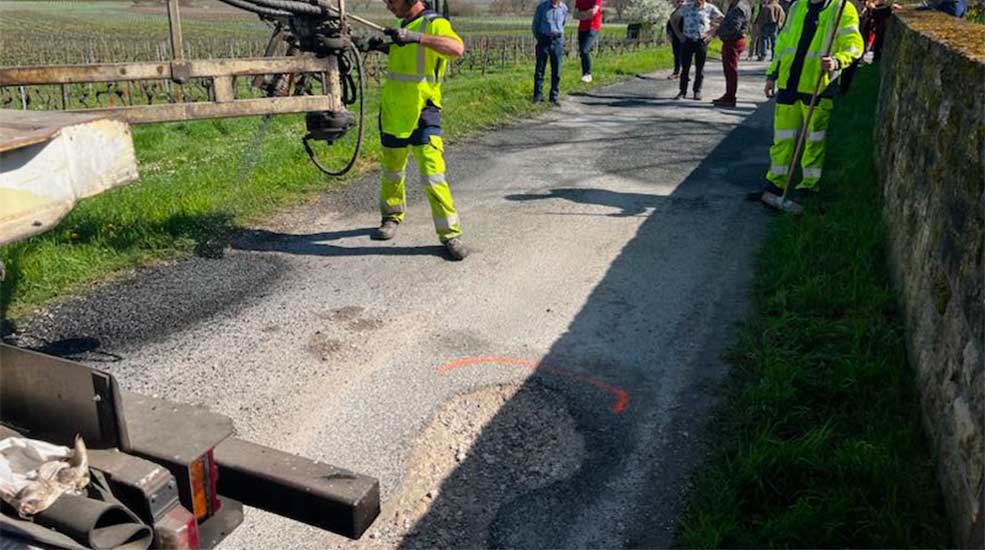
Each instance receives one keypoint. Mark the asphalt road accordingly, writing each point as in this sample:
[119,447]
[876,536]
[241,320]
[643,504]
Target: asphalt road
[613,256]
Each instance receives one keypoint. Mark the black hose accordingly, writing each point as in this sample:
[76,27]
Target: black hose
[347,87]
[259,10]
[295,8]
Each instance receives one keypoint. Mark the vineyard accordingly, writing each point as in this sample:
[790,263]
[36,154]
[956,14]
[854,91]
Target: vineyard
[58,33]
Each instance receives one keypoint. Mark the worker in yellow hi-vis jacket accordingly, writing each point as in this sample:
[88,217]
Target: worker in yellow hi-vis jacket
[792,76]
[410,119]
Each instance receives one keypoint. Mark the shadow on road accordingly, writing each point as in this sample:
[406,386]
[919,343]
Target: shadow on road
[314,244]
[628,204]
[645,330]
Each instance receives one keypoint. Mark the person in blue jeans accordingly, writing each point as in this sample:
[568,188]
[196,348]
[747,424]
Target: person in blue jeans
[957,8]
[548,29]
[770,20]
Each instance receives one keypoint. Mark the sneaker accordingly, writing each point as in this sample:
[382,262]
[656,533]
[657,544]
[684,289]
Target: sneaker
[697,96]
[680,95]
[555,101]
[723,102]
[386,231]
[586,78]
[538,98]
[456,250]
[674,76]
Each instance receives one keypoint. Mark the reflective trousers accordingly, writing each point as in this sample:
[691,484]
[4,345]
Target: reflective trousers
[393,197]
[787,122]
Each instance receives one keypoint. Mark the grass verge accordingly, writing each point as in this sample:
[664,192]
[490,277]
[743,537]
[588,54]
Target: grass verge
[202,179]
[822,444]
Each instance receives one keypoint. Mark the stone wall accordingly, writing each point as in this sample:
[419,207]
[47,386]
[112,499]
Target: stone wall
[930,137]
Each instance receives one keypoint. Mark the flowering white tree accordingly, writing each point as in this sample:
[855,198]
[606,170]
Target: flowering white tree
[652,12]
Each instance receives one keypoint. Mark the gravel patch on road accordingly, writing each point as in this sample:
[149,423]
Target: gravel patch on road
[532,443]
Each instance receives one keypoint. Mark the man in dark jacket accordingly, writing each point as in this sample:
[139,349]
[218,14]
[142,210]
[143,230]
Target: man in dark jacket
[732,31]
[548,29]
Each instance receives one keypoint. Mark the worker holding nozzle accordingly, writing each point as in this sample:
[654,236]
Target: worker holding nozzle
[819,39]
[410,118]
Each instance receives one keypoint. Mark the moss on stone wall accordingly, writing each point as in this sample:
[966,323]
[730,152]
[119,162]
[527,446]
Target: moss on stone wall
[930,138]
[960,36]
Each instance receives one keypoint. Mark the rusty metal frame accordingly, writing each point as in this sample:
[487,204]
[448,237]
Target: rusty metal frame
[222,73]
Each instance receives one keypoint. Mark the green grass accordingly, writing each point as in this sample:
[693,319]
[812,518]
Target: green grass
[203,179]
[821,434]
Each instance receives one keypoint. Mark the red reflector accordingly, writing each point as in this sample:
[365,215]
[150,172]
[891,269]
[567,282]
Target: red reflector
[176,530]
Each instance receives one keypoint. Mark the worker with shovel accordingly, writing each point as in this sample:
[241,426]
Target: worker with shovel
[819,39]
[410,119]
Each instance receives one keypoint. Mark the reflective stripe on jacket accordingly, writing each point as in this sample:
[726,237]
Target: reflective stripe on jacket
[413,77]
[847,46]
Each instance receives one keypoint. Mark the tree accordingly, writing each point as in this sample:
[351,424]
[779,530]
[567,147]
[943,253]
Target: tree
[618,5]
[500,7]
[653,12]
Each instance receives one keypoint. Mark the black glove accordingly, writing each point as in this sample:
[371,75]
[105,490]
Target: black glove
[403,36]
[372,44]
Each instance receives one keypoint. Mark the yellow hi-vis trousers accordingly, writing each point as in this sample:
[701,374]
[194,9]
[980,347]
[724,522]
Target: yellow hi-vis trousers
[393,197]
[787,122]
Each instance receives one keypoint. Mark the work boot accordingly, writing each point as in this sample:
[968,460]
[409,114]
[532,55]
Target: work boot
[386,231]
[456,249]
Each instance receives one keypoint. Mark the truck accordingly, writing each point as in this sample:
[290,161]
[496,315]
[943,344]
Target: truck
[178,468]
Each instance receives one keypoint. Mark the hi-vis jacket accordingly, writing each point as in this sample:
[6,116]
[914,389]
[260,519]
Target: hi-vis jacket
[847,47]
[414,77]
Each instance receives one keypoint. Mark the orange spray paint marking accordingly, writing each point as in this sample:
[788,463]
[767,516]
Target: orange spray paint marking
[622,398]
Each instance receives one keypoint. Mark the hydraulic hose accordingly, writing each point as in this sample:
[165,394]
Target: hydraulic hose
[281,8]
[294,8]
[259,10]
[347,87]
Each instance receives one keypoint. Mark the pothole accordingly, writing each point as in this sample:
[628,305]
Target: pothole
[481,451]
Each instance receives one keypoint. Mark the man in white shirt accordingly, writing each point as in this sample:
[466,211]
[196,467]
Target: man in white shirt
[698,23]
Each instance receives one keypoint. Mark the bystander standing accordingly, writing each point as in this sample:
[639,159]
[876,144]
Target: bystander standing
[676,37]
[732,31]
[770,20]
[957,8]
[589,16]
[755,29]
[548,29]
[879,14]
[697,19]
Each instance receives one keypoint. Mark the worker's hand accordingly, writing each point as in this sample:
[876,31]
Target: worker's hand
[770,89]
[829,64]
[372,44]
[403,36]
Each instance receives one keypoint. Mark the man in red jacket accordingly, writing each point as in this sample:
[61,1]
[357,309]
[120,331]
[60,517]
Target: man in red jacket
[589,16]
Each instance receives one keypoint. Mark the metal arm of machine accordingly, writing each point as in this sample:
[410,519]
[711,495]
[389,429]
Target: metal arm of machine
[315,77]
